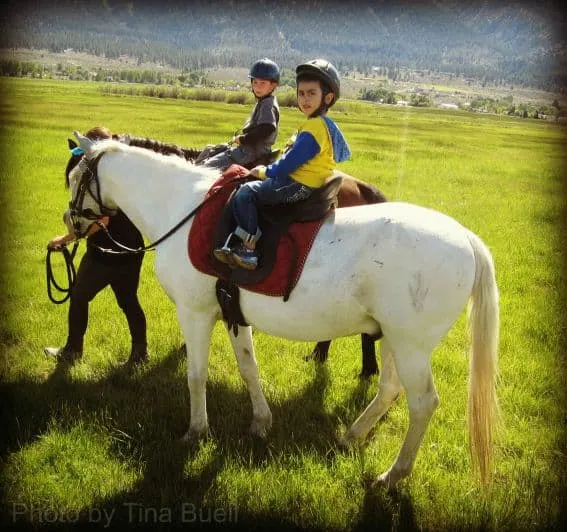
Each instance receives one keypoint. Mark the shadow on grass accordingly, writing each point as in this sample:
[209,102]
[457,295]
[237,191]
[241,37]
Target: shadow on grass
[385,509]
[148,410]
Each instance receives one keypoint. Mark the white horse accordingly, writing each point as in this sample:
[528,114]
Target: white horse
[397,268]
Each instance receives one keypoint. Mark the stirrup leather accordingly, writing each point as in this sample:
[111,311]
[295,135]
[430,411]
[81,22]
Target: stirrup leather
[247,237]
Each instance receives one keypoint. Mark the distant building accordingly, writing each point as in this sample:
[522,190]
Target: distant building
[449,106]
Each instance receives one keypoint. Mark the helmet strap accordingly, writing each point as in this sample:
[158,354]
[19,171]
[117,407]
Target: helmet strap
[321,110]
[324,106]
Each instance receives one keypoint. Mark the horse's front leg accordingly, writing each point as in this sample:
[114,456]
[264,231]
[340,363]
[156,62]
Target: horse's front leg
[197,329]
[244,351]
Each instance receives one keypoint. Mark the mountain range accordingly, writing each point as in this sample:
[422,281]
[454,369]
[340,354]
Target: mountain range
[520,43]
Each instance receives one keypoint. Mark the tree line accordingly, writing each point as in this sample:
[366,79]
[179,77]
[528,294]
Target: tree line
[195,85]
[518,47]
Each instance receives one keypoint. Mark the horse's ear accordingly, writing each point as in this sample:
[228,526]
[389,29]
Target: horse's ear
[72,143]
[84,142]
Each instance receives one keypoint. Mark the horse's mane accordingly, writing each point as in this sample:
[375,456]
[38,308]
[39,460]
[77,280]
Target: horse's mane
[157,146]
[152,150]
[189,154]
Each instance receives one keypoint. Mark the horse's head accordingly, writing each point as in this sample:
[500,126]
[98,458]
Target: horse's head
[85,207]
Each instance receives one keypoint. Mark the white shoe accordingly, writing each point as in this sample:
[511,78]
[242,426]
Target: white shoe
[64,353]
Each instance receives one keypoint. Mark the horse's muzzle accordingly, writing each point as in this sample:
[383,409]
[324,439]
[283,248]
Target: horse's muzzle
[67,220]
[76,224]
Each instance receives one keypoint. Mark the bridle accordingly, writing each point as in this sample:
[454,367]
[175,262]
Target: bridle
[75,212]
[90,178]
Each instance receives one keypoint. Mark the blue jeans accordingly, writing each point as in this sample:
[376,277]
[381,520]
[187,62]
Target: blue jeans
[241,155]
[270,191]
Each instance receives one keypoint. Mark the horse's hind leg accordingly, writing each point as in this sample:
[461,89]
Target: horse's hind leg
[369,364]
[414,371]
[244,351]
[389,390]
[320,352]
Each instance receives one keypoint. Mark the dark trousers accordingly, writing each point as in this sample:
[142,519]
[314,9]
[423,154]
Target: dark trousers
[271,191]
[92,277]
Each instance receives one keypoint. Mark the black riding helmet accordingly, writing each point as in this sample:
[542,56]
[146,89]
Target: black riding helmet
[265,69]
[324,71]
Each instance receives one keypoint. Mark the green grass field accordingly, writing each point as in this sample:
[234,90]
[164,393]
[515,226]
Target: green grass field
[94,443]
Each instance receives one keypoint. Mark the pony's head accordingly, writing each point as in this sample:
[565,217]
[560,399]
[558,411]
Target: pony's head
[150,158]
[95,133]
[86,207]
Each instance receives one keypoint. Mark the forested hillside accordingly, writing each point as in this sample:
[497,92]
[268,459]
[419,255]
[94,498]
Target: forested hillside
[503,42]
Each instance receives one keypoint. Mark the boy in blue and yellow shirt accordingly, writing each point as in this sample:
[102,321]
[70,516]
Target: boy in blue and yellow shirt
[310,161]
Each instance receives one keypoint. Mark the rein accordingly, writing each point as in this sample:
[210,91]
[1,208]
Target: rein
[151,247]
[70,270]
[104,210]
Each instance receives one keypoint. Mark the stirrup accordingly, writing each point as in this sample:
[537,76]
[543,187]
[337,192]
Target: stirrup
[225,254]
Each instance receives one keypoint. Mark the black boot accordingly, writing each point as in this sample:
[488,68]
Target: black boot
[138,354]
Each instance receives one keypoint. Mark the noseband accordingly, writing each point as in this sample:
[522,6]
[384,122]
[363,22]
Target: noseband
[88,181]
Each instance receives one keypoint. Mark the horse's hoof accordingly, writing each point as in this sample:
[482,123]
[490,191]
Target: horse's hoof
[194,435]
[260,429]
[388,480]
[346,441]
[383,481]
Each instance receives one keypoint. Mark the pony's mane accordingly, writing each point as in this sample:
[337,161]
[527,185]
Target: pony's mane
[112,145]
[157,146]
[189,154]
[106,145]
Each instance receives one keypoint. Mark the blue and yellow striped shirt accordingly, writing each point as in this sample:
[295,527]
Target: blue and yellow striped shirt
[317,149]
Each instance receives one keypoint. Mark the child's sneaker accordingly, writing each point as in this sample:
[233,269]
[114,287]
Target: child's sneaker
[245,257]
[65,353]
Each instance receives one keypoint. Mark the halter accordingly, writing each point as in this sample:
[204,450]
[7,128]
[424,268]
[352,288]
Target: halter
[76,210]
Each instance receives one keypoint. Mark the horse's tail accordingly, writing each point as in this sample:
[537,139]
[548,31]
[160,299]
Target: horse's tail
[483,315]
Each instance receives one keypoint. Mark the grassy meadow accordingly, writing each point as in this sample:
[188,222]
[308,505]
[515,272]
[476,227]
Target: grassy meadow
[94,443]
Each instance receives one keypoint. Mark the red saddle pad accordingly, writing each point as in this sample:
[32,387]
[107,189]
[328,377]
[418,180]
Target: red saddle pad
[202,234]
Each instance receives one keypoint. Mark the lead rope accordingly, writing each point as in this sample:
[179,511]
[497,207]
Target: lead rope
[70,270]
